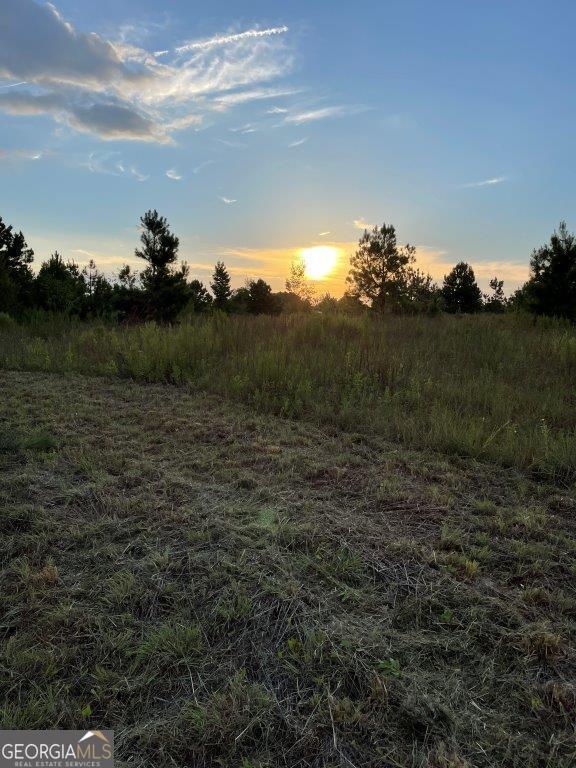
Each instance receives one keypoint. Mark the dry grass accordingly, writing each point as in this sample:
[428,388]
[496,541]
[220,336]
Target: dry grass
[498,388]
[228,588]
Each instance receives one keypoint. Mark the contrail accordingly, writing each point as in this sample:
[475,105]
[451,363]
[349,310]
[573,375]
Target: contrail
[13,85]
[225,39]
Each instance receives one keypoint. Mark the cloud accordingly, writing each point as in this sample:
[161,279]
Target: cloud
[277,111]
[321,114]
[228,200]
[173,174]
[485,183]
[117,90]
[203,165]
[233,99]
[227,39]
[361,223]
[23,154]
[110,120]
[111,164]
[231,144]
[13,85]
[323,234]
[299,142]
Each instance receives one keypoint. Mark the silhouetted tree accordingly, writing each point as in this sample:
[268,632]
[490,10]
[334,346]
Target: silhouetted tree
[60,286]
[290,303]
[98,292]
[379,269]
[496,301]
[261,300]
[299,285]
[460,290]
[128,300]
[551,289]
[200,300]
[239,301]
[220,287]
[166,289]
[16,276]
[421,294]
[350,304]
[327,305]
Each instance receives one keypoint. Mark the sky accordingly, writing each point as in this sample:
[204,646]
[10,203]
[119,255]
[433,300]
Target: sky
[260,129]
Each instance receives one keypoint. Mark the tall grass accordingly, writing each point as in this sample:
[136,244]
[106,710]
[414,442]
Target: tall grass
[496,388]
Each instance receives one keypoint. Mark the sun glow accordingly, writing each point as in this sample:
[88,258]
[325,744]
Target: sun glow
[319,261]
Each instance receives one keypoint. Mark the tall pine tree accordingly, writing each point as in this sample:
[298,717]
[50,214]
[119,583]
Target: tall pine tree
[165,288]
[220,287]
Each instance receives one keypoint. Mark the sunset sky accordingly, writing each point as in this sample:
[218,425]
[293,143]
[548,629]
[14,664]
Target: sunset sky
[260,129]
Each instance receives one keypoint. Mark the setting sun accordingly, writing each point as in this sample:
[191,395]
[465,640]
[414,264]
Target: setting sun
[319,261]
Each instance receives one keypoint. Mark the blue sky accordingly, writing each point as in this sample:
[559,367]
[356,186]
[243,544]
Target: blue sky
[259,129]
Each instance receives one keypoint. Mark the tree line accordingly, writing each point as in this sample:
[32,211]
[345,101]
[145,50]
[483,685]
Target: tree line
[382,278]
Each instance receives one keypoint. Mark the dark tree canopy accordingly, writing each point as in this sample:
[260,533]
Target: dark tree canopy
[460,290]
[166,289]
[261,300]
[221,289]
[551,289]
[379,270]
[16,277]
[60,286]
[495,301]
[200,300]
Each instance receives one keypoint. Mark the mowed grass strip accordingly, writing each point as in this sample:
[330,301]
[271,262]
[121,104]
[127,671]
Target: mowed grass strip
[497,388]
[227,588]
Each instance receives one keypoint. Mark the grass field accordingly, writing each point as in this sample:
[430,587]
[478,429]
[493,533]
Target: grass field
[225,587]
[497,388]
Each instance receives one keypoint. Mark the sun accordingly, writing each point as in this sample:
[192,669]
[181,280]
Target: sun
[319,261]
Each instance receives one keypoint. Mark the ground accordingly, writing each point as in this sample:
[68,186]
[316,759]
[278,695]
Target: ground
[222,587]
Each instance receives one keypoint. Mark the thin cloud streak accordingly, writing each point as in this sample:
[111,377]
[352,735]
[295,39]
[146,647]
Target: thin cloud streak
[173,174]
[485,183]
[228,200]
[322,114]
[13,85]
[227,39]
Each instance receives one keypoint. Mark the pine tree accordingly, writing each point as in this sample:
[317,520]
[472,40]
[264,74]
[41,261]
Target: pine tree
[220,287]
[496,301]
[551,289]
[165,289]
[460,290]
[200,299]
[379,270]
[16,276]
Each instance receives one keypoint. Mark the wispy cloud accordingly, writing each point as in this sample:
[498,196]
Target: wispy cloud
[118,90]
[323,234]
[486,183]
[322,113]
[299,142]
[111,164]
[231,144]
[203,165]
[173,174]
[23,154]
[13,85]
[277,111]
[228,200]
[361,223]
[218,40]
